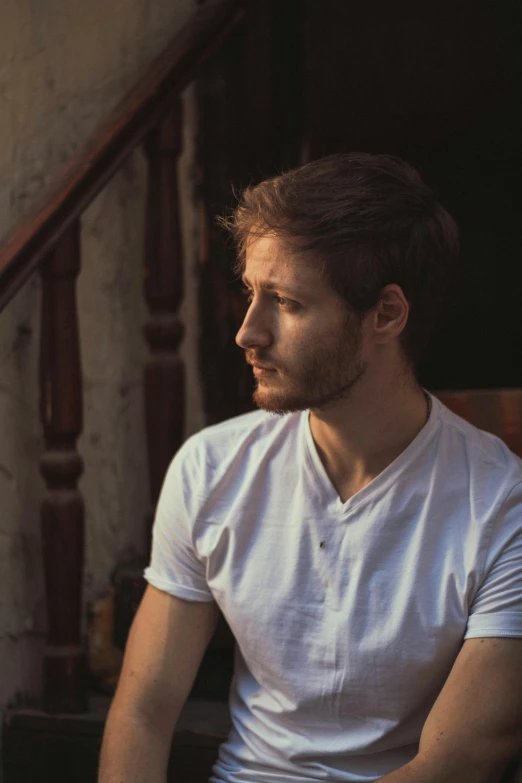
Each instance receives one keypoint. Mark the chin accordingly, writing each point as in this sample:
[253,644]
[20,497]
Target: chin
[277,403]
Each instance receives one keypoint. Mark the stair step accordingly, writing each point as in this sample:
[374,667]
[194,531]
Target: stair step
[43,748]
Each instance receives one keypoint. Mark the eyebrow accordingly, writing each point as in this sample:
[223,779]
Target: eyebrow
[269,286]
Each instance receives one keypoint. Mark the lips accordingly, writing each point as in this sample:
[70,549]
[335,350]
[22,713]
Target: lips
[260,366]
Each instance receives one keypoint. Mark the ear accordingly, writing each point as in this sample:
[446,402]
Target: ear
[390,314]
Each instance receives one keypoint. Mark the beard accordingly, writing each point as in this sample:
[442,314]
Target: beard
[319,377]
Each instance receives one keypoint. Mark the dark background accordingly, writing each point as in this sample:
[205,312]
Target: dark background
[437,84]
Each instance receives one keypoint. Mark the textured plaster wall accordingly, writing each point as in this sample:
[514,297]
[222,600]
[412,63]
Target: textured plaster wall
[63,65]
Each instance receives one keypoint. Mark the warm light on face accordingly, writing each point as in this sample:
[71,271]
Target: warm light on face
[298,328]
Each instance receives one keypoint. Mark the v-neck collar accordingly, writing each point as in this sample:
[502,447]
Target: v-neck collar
[385,477]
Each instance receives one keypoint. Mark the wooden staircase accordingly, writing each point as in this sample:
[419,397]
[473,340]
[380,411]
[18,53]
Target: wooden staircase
[58,738]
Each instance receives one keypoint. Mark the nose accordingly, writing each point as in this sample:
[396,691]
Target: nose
[252,331]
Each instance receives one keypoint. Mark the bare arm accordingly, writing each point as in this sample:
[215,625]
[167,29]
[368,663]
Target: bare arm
[165,647]
[474,728]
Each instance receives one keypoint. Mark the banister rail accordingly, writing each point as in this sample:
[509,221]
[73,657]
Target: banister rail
[49,239]
[75,187]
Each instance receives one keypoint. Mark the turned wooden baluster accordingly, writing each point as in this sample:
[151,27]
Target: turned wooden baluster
[62,512]
[164,373]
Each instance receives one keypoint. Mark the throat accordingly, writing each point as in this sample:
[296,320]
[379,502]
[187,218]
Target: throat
[349,479]
[369,450]
[346,489]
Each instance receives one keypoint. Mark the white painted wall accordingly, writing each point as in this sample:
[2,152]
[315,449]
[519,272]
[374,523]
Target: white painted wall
[63,65]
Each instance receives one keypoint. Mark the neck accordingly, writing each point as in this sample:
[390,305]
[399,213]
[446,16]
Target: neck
[359,437]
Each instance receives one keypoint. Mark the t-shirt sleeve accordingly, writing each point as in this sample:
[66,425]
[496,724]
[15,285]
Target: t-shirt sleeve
[497,607]
[174,565]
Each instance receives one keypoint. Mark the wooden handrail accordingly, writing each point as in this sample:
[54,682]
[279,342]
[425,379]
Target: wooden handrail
[75,187]
[49,240]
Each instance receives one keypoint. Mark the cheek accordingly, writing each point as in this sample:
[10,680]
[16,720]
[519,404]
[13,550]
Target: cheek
[307,334]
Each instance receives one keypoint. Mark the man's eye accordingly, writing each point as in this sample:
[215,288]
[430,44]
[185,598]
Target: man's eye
[281,300]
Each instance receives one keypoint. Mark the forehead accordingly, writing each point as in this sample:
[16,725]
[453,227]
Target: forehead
[268,263]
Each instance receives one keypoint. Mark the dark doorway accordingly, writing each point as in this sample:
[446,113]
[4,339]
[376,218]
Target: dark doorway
[437,84]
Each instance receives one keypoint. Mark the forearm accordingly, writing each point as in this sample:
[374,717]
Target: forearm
[412,772]
[132,751]
[419,770]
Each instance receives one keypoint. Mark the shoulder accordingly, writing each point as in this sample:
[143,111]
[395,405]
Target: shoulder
[469,453]
[480,445]
[240,434]
[236,446]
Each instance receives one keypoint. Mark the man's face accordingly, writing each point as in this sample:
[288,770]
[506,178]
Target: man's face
[302,328]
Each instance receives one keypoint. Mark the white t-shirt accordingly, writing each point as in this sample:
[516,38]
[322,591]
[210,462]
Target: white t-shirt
[347,617]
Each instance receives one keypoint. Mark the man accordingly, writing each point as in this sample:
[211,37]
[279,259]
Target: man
[363,542]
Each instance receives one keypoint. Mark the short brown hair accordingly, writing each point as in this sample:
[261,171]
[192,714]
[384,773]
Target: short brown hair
[366,221]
